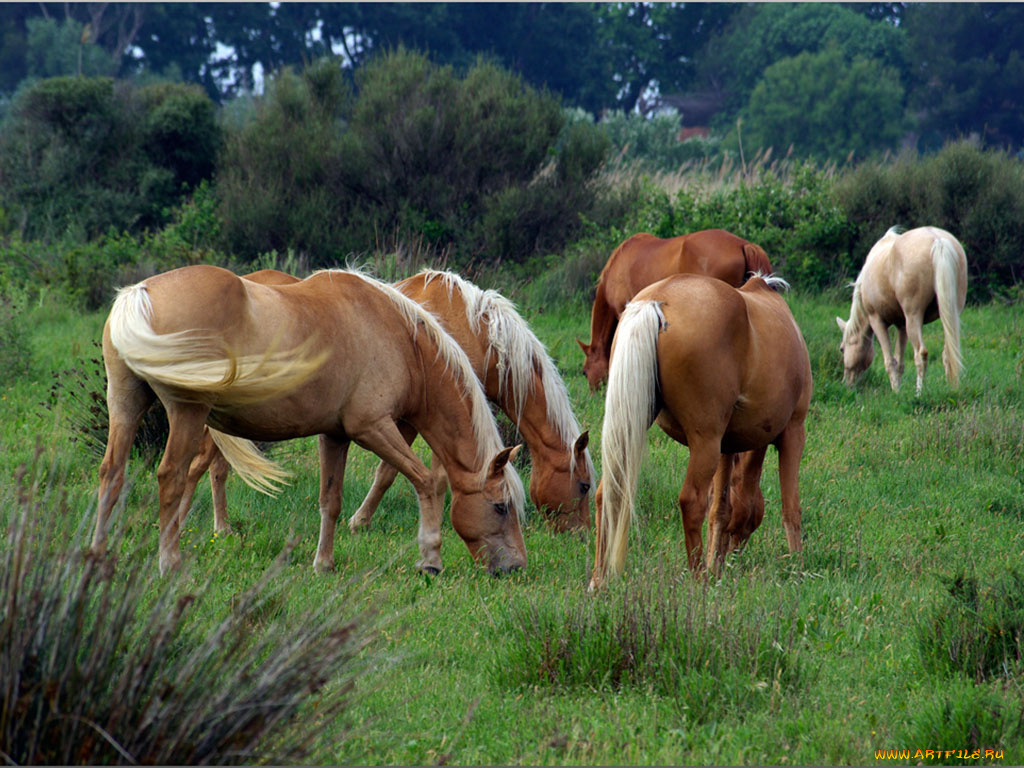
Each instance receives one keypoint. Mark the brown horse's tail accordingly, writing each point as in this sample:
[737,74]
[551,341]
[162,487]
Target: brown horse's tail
[253,467]
[756,260]
[629,411]
[946,264]
[199,365]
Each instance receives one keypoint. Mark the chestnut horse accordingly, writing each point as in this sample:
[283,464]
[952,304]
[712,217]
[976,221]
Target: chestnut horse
[242,356]
[644,259]
[724,371]
[517,374]
[908,280]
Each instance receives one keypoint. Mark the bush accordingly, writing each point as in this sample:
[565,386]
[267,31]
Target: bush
[476,164]
[977,195]
[81,155]
[101,663]
[651,144]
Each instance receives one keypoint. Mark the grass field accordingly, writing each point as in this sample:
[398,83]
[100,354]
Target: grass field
[901,628]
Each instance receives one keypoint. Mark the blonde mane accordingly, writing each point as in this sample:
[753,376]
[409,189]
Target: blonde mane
[485,431]
[518,353]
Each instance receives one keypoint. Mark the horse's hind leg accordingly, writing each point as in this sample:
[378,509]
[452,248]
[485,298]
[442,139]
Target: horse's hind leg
[186,433]
[333,456]
[893,366]
[128,398]
[218,490]
[383,478]
[916,335]
[790,445]
[719,515]
[200,464]
[704,458]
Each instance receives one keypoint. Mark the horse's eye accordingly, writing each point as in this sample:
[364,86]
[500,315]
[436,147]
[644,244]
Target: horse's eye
[584,488]
[502,509]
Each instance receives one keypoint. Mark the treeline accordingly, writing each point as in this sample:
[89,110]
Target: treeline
[103,181]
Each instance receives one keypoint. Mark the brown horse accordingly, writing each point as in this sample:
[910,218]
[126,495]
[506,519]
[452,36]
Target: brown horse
[908,280]
[517,374]
[240,355]
[644,259]
[723,371]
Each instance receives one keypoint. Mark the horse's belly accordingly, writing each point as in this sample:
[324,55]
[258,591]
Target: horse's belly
[264,423]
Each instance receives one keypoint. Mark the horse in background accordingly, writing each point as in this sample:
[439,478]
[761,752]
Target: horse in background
[517,374]
[644,259]
[724,371]
[338,355]
[520,378]
[908,280]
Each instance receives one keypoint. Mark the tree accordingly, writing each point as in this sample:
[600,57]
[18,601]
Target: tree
[825,106]
[967,63]
[762,34]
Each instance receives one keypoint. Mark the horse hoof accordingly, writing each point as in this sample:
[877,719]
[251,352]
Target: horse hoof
[429,570]
[323,566]
[355,524]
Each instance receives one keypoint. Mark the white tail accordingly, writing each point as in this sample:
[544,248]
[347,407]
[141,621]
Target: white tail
[945,262]
[252,466]
[197,363]
[629,410]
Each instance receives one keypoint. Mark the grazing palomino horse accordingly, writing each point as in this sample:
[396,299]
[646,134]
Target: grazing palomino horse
[642,260]
[908,280]
[723,371]
[517,374]
[217,349]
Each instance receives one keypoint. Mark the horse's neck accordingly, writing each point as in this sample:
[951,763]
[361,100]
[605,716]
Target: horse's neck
[446,421]
[602,322]
[529,412]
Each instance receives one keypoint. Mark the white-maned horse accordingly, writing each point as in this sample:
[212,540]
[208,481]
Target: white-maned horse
[908,280]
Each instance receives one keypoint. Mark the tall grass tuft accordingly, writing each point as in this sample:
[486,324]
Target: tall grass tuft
[670,638]
[978,630]
[102,662]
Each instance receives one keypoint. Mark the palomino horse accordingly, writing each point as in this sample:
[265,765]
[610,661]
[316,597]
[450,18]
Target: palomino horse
[240,355]
[908,280]
[517,374]
[723,371]
[645,259]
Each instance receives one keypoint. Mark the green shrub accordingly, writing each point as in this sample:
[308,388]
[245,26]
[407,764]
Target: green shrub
[977,195]
[79,155]
[15,353]
[651,144]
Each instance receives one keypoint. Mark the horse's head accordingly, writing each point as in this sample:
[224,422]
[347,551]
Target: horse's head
[560,488]
[488,518]
[857,349]
[595,367]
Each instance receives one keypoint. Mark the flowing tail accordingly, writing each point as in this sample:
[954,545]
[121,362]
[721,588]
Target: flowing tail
[197,363]
[945,261]
[629,410]
[252,466]
[756,259]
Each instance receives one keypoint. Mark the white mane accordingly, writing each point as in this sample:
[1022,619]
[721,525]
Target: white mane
[518,353]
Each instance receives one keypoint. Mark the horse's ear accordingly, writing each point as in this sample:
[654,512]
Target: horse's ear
[505,455]
[581,443]
[841,323]
[584,347]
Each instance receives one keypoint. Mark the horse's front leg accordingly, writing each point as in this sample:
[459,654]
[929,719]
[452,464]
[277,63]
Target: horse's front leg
[915,332]
[333,456]
[383,478]
[881,331]
[390,441]
[186,422]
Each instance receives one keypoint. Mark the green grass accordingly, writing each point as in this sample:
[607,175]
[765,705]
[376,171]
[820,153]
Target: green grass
[783,661]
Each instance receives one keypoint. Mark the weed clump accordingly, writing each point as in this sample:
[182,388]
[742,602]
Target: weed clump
[103,663]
